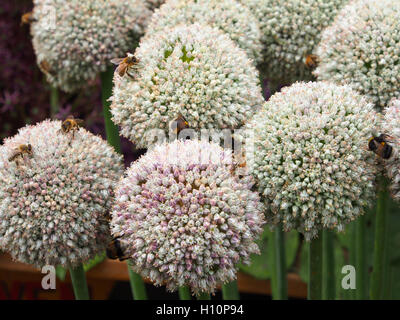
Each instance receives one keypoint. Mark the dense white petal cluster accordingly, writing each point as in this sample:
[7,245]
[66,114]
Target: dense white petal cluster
[291,29]
[184,218]
[362,49]
[54,203]
[391,127]
[310,156]
[196,71]
[74,40]
[228,15]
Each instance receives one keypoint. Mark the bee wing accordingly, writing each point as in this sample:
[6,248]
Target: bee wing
[80,122]
[116,61]
[391,138]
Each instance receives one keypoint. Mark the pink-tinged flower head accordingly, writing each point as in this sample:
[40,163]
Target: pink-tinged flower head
[184,218]
[55,200]
[291,30]
[362,49]
[310,158]
[229,16]
[75,40]
[193,70]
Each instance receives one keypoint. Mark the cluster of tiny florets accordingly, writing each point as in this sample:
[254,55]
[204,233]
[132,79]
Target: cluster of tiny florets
[310,156]
[391,127]
[184,218]
[196,71]
[74,40]
[228,15]
[291,29]
[362,49]
[54,202]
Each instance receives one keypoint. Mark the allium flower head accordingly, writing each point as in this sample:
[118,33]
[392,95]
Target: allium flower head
[184,218]
[196,71]
[291,29]
[362,48]
[228,15]
[54,202]
[391,127]
[74,40]
[310,158]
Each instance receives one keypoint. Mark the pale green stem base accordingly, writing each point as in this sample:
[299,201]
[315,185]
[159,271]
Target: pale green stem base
[379,268]
[203,296]
[328,265]
[137,285]
[106,92]
[361,259]
[54,101]
[230,291]
[79,283]
[184,293]
[278,263]
[315,269]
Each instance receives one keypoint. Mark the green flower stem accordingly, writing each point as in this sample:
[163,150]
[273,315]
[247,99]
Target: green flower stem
[278,265]
[54,101]
[137,285]
[380,269]
[361,260]
[203,296]
[271,263]
[106,92]
[79,283]
[315,269]
[351,294]
[230,291]
[184,293]
[328,265]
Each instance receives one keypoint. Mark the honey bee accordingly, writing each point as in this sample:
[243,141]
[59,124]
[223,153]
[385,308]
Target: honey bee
[179,124]
[380,146]
[20,151]
[71,124]
[238,167]
[311,61]
[27,18]
[114,250]
[124,64]
[45,66]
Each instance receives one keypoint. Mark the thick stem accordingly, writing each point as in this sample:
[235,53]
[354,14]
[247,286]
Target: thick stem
[315,269]
[279,265]
[203,296]
[137,285]
[184,293]
[328,265]
[106,92]
[380,269]
[230,291]
[361,260]
[79,283]
[54,101]
[351,293]
[272,263]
